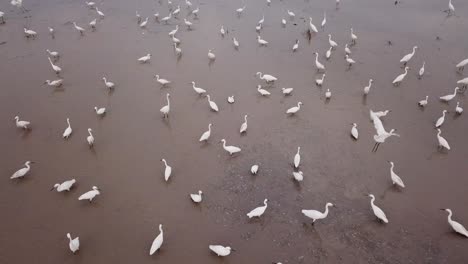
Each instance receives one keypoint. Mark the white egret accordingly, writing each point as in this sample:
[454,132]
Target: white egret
[90,195]
[261,41]
[349,61]
[93,23]
[144,23]
[211,55]
[262,20]
[166,18]
[254,169]
[64,186]
[78,28]
[23,171]
[268,2]
[283,22]
[174,31]
[449,97]
[90,138]
[157,242]
[295,46]
[230,99]
[457,227]
[221,251]
[421,71]
[318,65]
[258,27]
[291,14]
[332,42]
[175,40]
[367,88]
[90,4]
[324,21]
[230,149]
[188,24]
[382,136]
[441,119]
[195,12]
[68,130]
[53,54]
[198,90]
[145,58]
[188,4]
[319,82]
[297,158]
[240,10]
[101,14]
[328,53]
[353,37]
[395,178]
[161,81]
[463,82]
[408,57]
[213,105]
[354,131]
[327,94]
[294,109]
[312,26]
[100,111]
[56,68]
[2,17]
[138,16]
[30,33]
[235,42]
[206,135]
[22,123]
[176,11]
[316,215]
[167,170]
[109,85]
[298,176]
[196,197]
[73,244]
[458,109]
[222,31]
[461,65]
[379,213]
[243,127]
[423,102]
[347,50]
[442,141]
[261,91]
[287,91]
[165,109]
[451,9]
[267,77]
[257,212]
[400,77]
[177,50]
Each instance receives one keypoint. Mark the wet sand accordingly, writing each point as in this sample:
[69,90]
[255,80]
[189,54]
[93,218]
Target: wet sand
[119,226]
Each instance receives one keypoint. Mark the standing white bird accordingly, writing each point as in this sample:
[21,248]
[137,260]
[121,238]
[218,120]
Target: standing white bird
[100,111]
[457,227]
[166,18]
[254,169]
[449,97]
[395,178]
[64,186]
[318,65]
[441,119]
[261,41]
[165,109]
[328,94]
[230,149]
[297,158]
[157,242]
[188,24]
[90,195]
[461,65]
[230,99]
[328,53]
[211,55]
[421,71]
[161,81]
[23,171]
[2,17]
[213,105]
[400,77]
[90,138]
[222,31]
[240,10]
[295,46]
[319,82]
[332,42]
[56,68]
[176,12]
[175,40]
[353,37]
[408,57]
[188,4]
[93,23]
[312,26]
[174,31]
[283,22]
[30,33]
[78,28]
[167,170]
[243,127]
[257,212]
[101,14]
[235,42]
[144,23]
[367,88]
[349,61]
[316,215]
[294,109]
[379,213]
[206,135]
[354,131]
[324,21]
[73,244]
[347,50]
[287,91]
[22,123]
[109,85]
[267,77]
[451,9]
[145,58]
[196,197]
[68,130]
[458,109]
[442,141]
[423,102]
[90,4]
[291,14]
[53,54]
[262,20]
[221,251]
[298,176]
[198,90]
[263,92]
[177,50]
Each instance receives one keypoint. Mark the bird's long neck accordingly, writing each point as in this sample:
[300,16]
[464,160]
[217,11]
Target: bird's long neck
[372,201]
[165,163]
[443,114]
[105,80]
[89,131]
[298,105]
[450,216]
[326,210]
[168,101]
[68,122]
[224,143]
[370,83]
[316,57]
[455,92]
[245,119]
[209,128]
[27,166]
[414,50]
[391,167]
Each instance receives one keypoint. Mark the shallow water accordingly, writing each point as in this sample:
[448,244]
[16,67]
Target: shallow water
[120,224]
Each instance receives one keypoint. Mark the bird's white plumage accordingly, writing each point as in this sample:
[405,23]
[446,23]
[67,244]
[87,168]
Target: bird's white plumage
[379,213]
[167,170]
[316,215]
[395,178]
[442,141]
[297,158]
[441,119]
[64,186]
[73,244]
[354,131]
[257,212]
[213,105]
[206,135]
[298,176]
[243,127]
[254,169]
[196,197]
[90,195]
[22,172]
[157,242]
[457,227]
[68,131]
[294,109]
[230,149]
[219,250]
[449,97]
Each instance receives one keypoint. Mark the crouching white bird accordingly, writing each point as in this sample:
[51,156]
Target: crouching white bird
[262,91]
[206,135]
[64,186]
[90,138]
[211,55]
[145,58]
[196,197]
[221,251]
[379,213]
[23,171]
[230,149]
[157,242]
[287,91]
[90,195]
[297,158]
[254,169]
[423,102]
[316,215]
[457,227]
[161,81]
[68,131]
[294,109]
[73,244]
[21,123]
[458,109]
[266,77]
[230,99]
[30,33]
[198,90]
[395,178]
[257,212]
[442,141]
[54,83]
[167,170]
[354,131]
[100,111]
[319,82]
[298,176]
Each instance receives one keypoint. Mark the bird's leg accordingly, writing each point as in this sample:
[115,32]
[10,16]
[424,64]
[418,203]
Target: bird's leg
[378,144]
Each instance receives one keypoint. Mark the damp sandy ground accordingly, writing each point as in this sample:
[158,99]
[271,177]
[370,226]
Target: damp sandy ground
[119,226]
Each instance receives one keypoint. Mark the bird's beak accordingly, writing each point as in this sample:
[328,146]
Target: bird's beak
[442,209]
[52,188]
[32,161]
[233,249]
